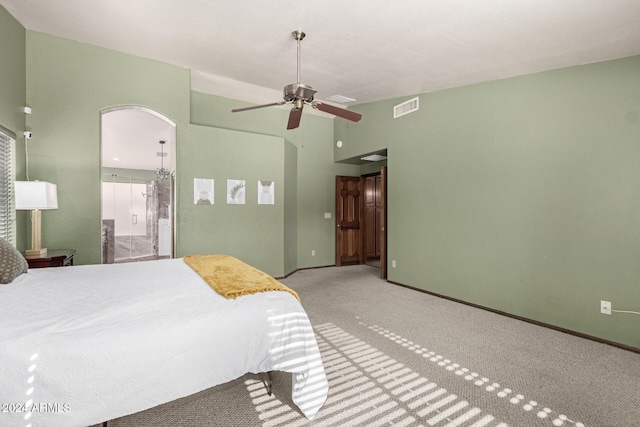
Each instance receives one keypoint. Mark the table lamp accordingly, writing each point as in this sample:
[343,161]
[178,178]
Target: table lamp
[36,196]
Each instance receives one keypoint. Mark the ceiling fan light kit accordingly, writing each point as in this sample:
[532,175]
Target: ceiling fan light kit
[300,94]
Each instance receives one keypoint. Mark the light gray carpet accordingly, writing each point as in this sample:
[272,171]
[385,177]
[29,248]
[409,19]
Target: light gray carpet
[395,356]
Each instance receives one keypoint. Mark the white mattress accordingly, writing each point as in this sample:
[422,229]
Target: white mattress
[92,343]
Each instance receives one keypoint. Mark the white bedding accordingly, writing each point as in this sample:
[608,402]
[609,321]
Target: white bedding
[87,344]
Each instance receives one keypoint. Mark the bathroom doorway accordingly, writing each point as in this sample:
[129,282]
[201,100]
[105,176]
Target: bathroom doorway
[137,182]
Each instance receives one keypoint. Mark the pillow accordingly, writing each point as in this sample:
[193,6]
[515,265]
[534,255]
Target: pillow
[12,263]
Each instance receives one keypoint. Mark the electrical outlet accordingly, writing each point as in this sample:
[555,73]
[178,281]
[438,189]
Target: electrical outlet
[605,307]
[393,263]
[313,252]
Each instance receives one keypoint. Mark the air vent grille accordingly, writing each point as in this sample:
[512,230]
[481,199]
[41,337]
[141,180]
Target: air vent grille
[341,99]
[406,107]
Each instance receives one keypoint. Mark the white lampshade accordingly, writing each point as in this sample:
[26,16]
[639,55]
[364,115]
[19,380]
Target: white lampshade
[32,195]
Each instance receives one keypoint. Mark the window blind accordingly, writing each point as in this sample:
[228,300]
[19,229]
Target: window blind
[7,202]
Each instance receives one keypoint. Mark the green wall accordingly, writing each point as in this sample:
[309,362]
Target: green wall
[521,195]
[312,145]
[12,70]
[254,233]
[290,208]
[13,98]
[69,83]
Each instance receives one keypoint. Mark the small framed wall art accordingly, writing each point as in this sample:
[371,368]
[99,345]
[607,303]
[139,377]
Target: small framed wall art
[235,192]
[203,191]
[266,192]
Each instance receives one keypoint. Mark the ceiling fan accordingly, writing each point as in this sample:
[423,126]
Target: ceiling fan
[299,94]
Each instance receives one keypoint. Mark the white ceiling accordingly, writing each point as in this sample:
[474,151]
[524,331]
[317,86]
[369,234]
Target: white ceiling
[364,49]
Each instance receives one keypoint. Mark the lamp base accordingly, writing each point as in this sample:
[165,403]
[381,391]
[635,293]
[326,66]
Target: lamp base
[35,253]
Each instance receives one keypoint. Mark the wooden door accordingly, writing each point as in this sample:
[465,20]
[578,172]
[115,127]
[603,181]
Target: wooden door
[383,222]
[371,218]
[349,218]
[375,222]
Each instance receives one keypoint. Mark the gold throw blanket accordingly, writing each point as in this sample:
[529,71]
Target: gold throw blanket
[231,277]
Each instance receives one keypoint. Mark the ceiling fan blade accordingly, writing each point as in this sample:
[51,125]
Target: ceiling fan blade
[294,118]
[237,110]
[337,111]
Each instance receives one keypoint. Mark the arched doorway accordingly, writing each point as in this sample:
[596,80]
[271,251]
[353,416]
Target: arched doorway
[138,184]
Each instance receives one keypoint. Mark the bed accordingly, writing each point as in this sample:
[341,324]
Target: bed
[86,344]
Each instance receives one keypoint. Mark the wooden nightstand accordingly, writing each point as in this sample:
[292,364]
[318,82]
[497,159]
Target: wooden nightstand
[53,258]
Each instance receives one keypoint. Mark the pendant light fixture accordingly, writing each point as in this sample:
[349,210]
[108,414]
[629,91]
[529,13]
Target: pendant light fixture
[162,173]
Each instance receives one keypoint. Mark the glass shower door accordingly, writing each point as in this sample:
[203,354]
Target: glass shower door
[129,202]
